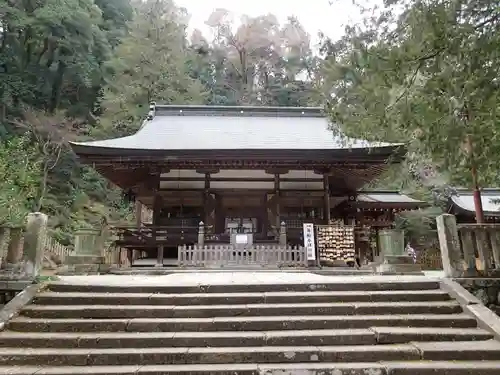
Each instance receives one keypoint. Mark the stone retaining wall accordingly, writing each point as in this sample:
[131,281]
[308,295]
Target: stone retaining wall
[487,290]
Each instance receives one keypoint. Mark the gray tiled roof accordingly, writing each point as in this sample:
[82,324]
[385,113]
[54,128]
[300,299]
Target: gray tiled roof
[490,199]
[230,128]
[386,197]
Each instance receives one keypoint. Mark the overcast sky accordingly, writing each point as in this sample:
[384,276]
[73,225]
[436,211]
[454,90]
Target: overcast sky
[315,15]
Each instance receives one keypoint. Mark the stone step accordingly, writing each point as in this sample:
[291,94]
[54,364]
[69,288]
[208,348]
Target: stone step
[401,335]
[464,351]
[259,323]
[222,355]
[390,368]
[73,298]
[191,339]
[243,338]
[205,311]
[450,351]
[369,284]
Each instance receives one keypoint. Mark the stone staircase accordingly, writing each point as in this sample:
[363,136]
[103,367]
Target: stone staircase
[344,328]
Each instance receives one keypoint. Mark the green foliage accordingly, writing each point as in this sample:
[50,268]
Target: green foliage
[79,69]
[21,173]
[150,64]
[426,76]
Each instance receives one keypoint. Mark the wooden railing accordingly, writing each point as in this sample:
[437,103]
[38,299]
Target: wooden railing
[53,247]
[468,249]
[154,235]
[227,256]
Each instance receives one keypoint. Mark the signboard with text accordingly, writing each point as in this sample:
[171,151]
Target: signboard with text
[309,243]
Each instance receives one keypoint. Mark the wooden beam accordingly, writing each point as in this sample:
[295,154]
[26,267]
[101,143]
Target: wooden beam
[326,187]
[213,190]
[277,171]
[239,179]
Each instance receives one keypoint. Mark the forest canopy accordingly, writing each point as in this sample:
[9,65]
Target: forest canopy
[87,69]
[423,72]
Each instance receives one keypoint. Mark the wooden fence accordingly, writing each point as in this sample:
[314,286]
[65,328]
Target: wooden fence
[227,256]
[468,249]
[56,249]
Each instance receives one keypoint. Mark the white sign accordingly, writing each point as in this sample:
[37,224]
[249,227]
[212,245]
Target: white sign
[241,239]
[309,243]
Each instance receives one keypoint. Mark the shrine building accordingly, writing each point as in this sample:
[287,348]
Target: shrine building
[258,170]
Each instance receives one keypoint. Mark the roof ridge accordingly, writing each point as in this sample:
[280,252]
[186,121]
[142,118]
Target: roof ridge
[241,111]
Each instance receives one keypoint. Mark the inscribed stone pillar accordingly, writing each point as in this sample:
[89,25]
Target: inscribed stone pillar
[449,243]
[87,256]
[282,239]
[14,247]
[4,238]
[201,234]
[159,257]
[87,242]
[34,238]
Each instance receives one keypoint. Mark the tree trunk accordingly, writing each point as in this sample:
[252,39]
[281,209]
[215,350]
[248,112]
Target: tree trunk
[56,87]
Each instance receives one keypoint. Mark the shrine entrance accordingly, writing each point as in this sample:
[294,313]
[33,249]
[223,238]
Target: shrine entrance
[240,225]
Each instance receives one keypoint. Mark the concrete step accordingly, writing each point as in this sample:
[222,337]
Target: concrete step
[395,368]
[206,311]
[450,351]
[242,323]
[369,284]
[243,338]
[73,298]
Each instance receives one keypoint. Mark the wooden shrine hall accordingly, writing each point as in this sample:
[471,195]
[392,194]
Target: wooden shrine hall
[208,172]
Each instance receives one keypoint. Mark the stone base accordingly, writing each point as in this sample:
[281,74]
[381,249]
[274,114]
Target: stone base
[84,265]
[18,271]
[85,259]
[395,264]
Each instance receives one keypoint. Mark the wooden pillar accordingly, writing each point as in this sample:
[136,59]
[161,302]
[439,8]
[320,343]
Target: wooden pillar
[219,215]
[206,191]
[138,213]
[209,207]
[277,195]
[326,192]
[265,220]
[157,207]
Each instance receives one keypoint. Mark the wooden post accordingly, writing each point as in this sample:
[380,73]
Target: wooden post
[34,238]
[283,234]
[449,243]
[201,234]
[326,208]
